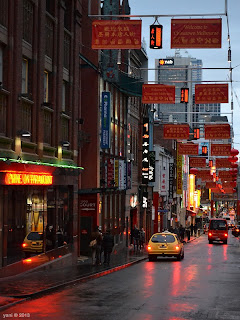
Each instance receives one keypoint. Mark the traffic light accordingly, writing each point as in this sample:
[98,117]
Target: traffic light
[204,151]
[156,36]
[184,95]
[196,133]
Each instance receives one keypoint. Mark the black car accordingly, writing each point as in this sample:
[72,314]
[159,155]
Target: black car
[236,230]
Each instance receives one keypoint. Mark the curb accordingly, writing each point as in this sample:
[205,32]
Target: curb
[86,278]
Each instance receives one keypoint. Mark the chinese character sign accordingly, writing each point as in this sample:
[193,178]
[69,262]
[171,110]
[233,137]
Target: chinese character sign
[163,181]
[223,163]
[211,93]
[196,33]
[188,148]
[152,156]
[221,150]
[158,93]
[197,162]
[217,131]
[176,131]
[116,34]
[145,151]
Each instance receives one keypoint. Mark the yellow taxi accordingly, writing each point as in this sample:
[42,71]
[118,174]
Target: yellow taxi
[33,242]
[165,244]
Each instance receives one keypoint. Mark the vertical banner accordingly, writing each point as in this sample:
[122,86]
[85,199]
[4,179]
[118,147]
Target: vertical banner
[121,174]
[129,174]
[110,173]
[105,128]
[116,171]
[163,181]
[179,173]
[145,151]
[171,178]
[152,156]
[145,199]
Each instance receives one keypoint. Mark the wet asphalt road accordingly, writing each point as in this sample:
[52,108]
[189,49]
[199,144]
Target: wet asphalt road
[203,286]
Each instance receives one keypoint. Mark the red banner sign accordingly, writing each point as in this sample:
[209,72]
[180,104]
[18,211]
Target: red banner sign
[216,190]
[223,163]
[158,93]
[217,131]
[116,34]
[210,185]
[196,33]
[197,162]
[188,148]
[205,175]
[224,174]
[221,150]
[176,131]
[211,93]
[229,184]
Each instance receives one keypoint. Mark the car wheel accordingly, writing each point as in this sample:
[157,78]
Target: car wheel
[225,241]
[179,257]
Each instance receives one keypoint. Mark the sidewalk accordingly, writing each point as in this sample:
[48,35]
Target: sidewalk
[34,283]
[37,282]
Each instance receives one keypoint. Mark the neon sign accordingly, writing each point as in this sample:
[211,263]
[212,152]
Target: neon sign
[23,178]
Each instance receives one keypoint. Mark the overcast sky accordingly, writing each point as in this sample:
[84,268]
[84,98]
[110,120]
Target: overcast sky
[217,58]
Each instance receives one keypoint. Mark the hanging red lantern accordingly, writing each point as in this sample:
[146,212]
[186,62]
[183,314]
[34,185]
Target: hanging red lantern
[233,159]
[234,152]
[193,171]
[233,171]
[234,165]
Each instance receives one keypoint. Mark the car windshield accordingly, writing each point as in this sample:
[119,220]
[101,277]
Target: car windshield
[35,236]
[161,238]
[218,225]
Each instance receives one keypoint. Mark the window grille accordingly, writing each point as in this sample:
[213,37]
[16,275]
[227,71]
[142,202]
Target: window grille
[49,27]
[47,127]
[27,21]
[26,116]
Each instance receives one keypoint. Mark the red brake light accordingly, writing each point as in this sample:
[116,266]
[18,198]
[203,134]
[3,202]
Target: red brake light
[237,230]
[226,234]
[210,234]
[177,247]
[149,248]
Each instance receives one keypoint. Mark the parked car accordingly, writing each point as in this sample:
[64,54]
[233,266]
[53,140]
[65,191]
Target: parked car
[236,230]
[33,243]
[165,244]
[218,230]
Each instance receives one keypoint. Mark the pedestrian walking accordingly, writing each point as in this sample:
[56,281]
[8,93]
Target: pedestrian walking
[195,229]
[107,245]
[96,244]
[60,238]
[191,228]
[181,233]
[135,236]
[141,238]
[188,232]
[49,237]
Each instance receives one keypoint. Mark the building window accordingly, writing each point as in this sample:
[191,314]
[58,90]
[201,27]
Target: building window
[24,76]
[49,37]
[65,129]
[65,96]
[67,15]
[3,114]
[50,6]
[48,127]
[66,53]
[26,116]
[4,13]
[45,85]
[27,21]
